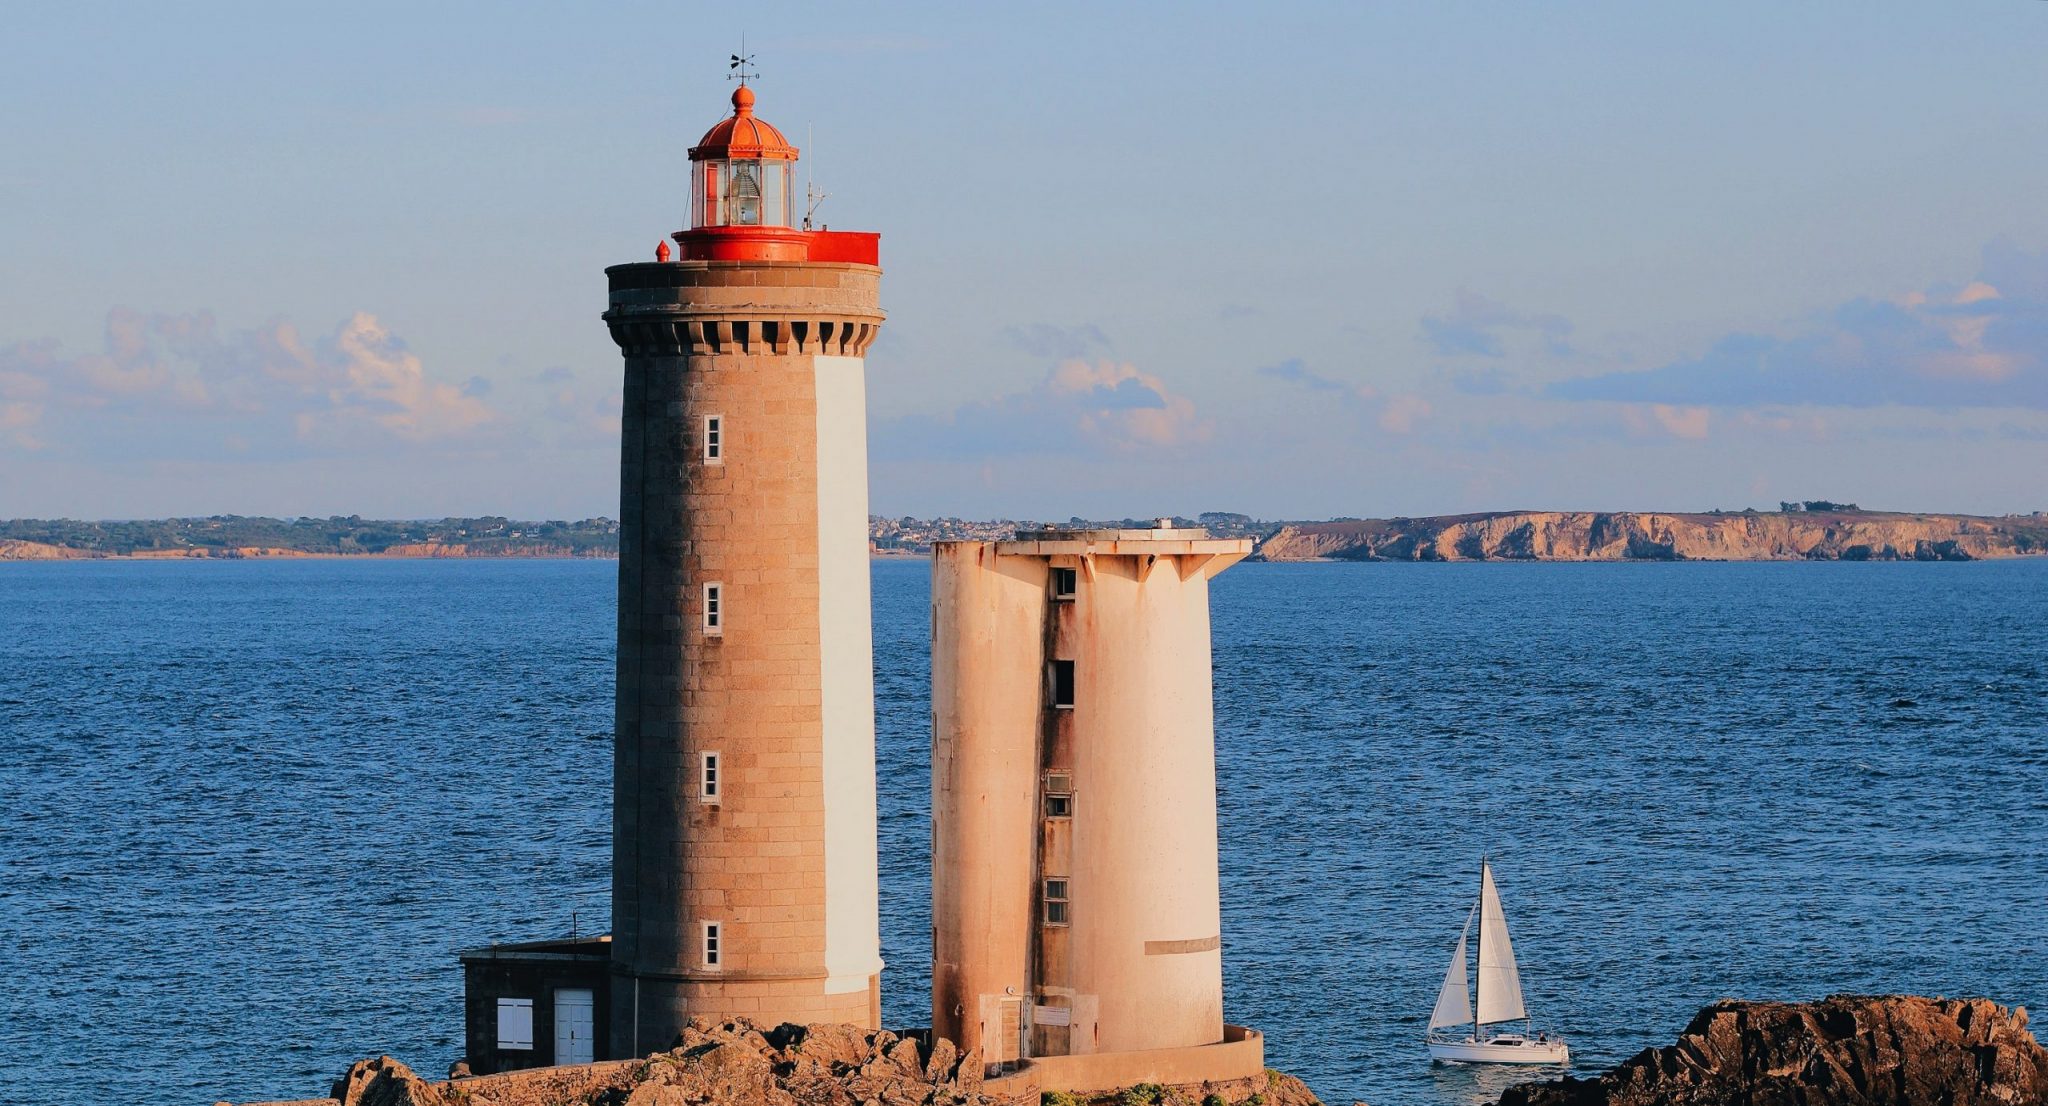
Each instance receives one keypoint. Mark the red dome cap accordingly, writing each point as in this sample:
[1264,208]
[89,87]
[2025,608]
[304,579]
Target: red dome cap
[743,135]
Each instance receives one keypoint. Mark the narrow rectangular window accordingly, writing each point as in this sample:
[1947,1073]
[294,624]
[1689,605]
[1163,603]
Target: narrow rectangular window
[1063,580]
[714,949]
[1063,683]
[1059,795]
[714,439]
[1056,902]
[714,608]
[707,777]
[515,1023]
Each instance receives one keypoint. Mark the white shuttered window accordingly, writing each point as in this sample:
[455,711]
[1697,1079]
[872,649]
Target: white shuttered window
[515,1023]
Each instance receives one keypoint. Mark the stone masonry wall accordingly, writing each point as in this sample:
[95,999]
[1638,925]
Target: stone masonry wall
[735,340]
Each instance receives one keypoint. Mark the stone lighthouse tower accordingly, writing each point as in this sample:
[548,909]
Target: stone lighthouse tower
[743,869]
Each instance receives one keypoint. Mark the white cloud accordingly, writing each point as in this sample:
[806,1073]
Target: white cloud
[382,382]
[356,390]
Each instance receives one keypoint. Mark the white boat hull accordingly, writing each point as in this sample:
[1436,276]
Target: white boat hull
[1505,1049]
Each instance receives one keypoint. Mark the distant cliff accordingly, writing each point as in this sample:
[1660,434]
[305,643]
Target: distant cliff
[1650,536]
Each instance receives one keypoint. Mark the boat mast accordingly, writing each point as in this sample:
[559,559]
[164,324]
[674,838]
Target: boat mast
[1479,953]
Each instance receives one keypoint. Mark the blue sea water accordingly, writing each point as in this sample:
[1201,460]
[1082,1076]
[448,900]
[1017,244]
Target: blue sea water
[248,810]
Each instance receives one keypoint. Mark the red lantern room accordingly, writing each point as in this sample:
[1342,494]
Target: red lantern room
[743,171]
[743,200]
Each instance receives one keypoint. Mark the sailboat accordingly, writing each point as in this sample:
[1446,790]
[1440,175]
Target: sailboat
[1500,997]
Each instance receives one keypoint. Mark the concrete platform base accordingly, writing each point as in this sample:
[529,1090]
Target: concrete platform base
[1241,1054]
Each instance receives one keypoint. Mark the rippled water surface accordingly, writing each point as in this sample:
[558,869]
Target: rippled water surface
[248,810]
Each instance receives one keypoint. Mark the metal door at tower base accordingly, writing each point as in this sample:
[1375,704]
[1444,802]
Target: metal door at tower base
[573,1026]
[1005,1032]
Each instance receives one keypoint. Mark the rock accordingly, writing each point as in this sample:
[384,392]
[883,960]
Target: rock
[459,1070]
[945,1058]
[739,1072]
[384,1082]
[1846,1050]
[836,1046]
[970,1073]
[903,1054]
[1285,1090]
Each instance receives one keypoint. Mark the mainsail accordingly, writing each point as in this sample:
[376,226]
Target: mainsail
[1454,1002]
[1500,983]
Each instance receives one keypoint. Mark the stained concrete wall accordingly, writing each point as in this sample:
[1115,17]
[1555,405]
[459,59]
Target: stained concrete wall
[1146,933]
[1138,967]
[988,623]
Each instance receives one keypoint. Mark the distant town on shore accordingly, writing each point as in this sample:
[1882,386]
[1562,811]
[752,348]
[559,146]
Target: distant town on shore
[1811,530]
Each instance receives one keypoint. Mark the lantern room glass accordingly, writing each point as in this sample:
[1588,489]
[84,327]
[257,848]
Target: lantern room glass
[741,192]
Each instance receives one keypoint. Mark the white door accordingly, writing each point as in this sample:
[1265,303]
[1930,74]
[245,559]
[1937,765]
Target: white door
[573,1027]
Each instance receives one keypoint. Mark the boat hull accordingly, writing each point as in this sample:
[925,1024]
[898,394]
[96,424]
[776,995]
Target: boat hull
[1500,1050]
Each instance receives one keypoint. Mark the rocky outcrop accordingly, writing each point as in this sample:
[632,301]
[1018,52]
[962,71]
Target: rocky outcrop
[14,550]
[385,1082]
[1640,536]
[1846,1050]
[738,1063]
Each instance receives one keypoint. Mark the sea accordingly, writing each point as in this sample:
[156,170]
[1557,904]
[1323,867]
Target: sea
[250,810]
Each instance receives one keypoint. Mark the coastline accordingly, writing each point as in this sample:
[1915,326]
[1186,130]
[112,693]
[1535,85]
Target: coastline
[1820,532]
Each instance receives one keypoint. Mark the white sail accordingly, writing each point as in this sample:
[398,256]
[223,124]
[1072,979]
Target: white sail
[1454,1002]
[1500,982]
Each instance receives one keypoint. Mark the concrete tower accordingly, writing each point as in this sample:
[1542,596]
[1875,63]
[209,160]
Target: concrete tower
[743,870]
[1075,912]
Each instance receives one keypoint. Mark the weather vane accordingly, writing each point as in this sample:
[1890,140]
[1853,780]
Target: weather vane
[741,63]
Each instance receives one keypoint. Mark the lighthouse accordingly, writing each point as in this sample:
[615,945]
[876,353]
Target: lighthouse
[743,824]
[1077,932]
[743,753]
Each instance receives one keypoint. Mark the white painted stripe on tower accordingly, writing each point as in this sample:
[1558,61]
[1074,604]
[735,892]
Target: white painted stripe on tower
[853,944]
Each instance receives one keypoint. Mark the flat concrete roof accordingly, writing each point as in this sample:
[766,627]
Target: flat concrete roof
[1152,543]
[555,948]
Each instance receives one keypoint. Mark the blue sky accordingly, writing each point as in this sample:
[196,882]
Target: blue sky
[1294,260]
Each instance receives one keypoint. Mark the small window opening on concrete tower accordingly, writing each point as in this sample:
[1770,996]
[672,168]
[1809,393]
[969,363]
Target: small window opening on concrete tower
[1063,684]
[1056,902]
[714,439]
[714,608]
[708,779]
[714,944]
[1063,580]
[1059,795]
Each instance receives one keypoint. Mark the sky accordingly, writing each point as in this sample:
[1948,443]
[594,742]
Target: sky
[1293,260]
